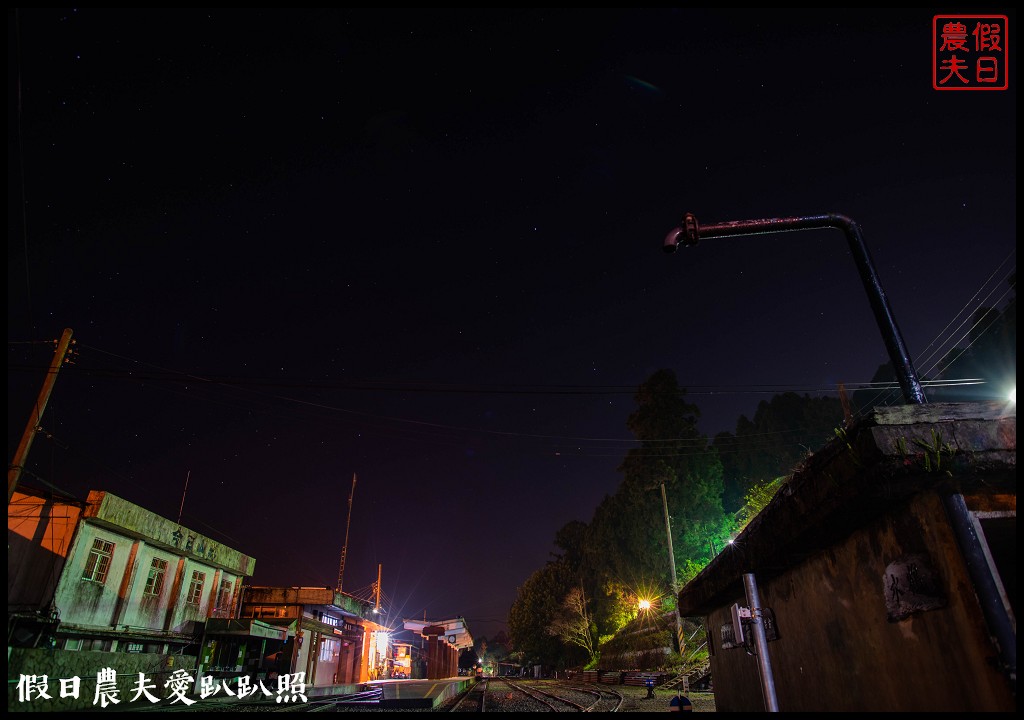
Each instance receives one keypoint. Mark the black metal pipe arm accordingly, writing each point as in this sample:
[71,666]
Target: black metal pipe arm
[690,232]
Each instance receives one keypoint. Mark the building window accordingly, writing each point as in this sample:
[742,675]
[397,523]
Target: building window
[98,565]
[73,644]
[195,589]
[155,581]
[271,611]
[328,649]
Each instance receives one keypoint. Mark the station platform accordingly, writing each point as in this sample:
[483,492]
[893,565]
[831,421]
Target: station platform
[419,694]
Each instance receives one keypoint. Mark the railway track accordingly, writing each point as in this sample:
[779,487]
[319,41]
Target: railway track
[505,695]
[486,695]
[605,699]
[334,703]
[473,700]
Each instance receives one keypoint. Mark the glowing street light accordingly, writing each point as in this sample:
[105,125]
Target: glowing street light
[689,232]
[644,604]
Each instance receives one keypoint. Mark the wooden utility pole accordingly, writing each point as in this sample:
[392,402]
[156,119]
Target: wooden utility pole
[672,565]
[344,548]
[18,463]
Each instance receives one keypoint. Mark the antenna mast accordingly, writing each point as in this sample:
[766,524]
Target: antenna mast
[344,548]
[182,508]
[376,592]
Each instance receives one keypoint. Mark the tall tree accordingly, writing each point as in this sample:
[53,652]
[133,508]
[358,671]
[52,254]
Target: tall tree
[538,601]
[574,624]
[571,539]
[783,432]
[628,529]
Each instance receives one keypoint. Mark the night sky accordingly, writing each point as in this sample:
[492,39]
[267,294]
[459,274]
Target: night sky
[425,247]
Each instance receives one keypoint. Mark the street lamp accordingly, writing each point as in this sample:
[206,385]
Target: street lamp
[690,231]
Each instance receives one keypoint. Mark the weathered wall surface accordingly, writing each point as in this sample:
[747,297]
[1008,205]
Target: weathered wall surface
[862,557]
[39,536]
[105,508]
[853,640]
[85,665]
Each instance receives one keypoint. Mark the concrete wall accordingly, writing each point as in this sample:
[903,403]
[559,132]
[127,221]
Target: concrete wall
[88,602]
[48,539]
[85,665]
[120,600]
[109,509]
[863,557]
[845,646]
[39,535]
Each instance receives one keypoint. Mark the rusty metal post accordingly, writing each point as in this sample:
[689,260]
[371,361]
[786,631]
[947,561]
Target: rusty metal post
[764,663]
[690,231]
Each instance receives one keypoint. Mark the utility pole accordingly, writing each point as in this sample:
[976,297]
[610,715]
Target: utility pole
[672,564]
[344,548]
[18,463]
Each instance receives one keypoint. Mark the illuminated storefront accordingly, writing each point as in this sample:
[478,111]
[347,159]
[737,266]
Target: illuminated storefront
[402,654]
[379,657]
